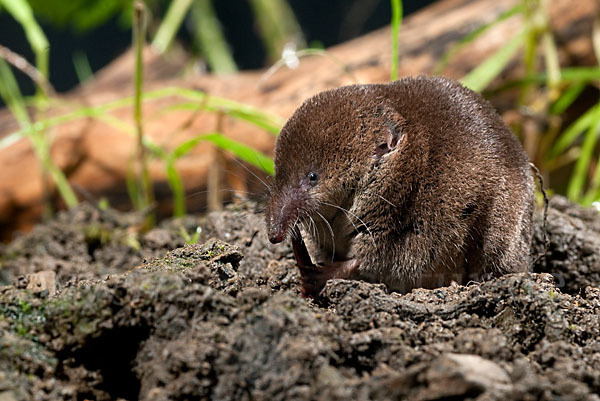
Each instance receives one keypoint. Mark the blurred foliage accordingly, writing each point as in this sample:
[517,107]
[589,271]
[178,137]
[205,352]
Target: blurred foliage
[546,90]
[545,93]
[208,36]
[278,26]
[11,94]
[22,12]
[143,197]
[170,25]
[87,14]
[82,15]
[274,18]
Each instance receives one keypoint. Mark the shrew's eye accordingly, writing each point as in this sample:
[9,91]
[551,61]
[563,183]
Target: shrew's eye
[313,177]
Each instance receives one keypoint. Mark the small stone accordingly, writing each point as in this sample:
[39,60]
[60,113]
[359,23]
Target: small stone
[21,282]
[456,375]
[7,396]
[68,391]
[42,281]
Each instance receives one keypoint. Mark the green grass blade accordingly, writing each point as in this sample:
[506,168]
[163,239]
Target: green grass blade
[277,26]
[579,175]
[117,123]
[552,64]
[237,111]
[132,187]
[240,150]
[573,131]
[245,153]
[396,22]
[209,37]
[474,35]
[62,184]
[170,25]
[249,114]
[81,63]
[10,92]
[568,75]
[139,41]
[176,184]
[592,198]
[22,12]
[11,139]
[593,193]
[21,64]
[272,123]
[185,147]
[579,74]
[269,121]
[567,98]
[91,14]
[480,77]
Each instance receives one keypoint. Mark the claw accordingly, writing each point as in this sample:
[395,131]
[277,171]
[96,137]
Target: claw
[300,251]
[314,277]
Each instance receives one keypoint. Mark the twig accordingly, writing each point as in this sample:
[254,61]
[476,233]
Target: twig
[21,64]
[546,203]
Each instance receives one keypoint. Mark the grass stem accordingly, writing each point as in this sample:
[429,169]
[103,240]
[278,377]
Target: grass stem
[278,26]
[145,182]
[170,25]
[209,37]
[396,22]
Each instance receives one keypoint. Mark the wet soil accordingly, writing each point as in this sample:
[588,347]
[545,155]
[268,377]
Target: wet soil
[93,309]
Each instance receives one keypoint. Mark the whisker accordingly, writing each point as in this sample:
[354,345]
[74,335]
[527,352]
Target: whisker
[313,226]
[238,175]
[294,233]
[386,200]
[332,235]
[234,191]
[315,229]
[251,172]
[348,214]
[304,225]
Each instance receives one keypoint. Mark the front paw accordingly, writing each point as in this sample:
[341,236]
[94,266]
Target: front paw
[300,252]
[313,278]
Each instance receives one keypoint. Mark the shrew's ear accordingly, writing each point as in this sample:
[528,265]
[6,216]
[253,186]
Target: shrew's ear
[391,122]
[393,134]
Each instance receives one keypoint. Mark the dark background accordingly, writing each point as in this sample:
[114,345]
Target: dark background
[323,22]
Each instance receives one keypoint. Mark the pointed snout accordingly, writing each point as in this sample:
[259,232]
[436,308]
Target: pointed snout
[276,227]
[286,207]
[277,237]
[280,215]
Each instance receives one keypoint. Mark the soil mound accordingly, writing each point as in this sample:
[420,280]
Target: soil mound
[92,309]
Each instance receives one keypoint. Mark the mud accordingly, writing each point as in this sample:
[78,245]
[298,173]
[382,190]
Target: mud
[93,309]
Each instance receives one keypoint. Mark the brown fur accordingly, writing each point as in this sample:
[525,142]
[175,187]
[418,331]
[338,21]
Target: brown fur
[434,186]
